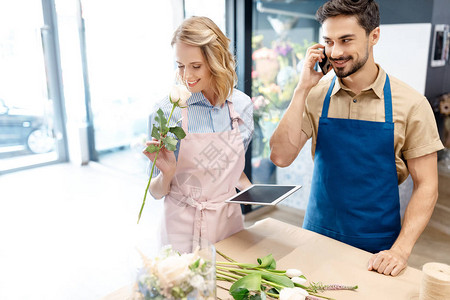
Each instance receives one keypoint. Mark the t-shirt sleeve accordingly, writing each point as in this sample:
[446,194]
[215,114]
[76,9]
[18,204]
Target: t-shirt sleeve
[421,135]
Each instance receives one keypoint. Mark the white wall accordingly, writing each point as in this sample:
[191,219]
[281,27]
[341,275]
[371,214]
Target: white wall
[403,52]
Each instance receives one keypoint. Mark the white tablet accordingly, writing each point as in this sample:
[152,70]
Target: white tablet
[263,194]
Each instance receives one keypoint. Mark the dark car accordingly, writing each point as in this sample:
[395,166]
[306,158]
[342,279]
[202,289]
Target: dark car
[19,127]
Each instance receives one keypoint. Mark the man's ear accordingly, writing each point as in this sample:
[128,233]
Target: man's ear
[374,36]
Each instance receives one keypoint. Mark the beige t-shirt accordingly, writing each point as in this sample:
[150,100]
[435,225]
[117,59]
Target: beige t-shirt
[415,129]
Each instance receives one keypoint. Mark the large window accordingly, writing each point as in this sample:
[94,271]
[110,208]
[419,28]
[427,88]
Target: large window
[29,131]
[129,68]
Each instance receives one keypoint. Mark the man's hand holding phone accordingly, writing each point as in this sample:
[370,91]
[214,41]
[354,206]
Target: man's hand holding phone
[325,64]
[309,77]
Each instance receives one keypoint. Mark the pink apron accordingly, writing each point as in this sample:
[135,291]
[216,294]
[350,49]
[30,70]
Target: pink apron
[208,169]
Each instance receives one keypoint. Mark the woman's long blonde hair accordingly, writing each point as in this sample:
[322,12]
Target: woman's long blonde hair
[204,33]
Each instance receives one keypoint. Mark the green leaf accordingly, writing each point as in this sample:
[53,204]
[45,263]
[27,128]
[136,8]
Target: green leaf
[278,279]
[240,294]
[162,122]
[255,297]
[152,148]
[170,143]
[155,132]
[178,131]
[178,293]
[251,282]
[195,265]
[267,262]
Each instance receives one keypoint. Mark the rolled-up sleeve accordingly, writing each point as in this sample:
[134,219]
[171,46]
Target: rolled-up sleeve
[421,134]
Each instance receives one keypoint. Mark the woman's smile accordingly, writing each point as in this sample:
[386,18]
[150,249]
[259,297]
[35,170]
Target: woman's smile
[191,84]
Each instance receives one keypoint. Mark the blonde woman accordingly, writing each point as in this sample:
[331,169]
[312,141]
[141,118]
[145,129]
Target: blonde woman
[208,164]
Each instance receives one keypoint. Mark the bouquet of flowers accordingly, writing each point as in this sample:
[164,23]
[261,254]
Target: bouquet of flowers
[172,275]
[263,280]
[160,132]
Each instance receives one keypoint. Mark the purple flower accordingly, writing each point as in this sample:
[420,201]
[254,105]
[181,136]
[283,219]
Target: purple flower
[283,49]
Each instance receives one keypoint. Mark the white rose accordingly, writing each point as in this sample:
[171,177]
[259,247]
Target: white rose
[299,280]
[198,282]
[295,293]
[179,94]
[173,270]
[293,273]
[174,94]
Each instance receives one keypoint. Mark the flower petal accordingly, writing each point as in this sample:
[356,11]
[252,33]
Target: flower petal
[293,273]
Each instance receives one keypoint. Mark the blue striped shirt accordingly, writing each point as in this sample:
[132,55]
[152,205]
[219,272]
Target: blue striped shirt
[204,117]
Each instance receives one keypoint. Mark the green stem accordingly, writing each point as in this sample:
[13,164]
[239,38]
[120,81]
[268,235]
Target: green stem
[248,267]
[320,296]
[273,295]
[236,271]
[228,263]
[273,284]
[247,270]
[170,116]
[224,279]
[153,166]
[225,256]
[228,274]
[148,184]
[302,286]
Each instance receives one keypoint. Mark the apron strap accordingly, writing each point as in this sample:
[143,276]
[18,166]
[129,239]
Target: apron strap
[184,121]
[326,102]
[387,100]
[234,116]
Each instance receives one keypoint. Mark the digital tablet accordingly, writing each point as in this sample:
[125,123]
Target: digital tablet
[263,194]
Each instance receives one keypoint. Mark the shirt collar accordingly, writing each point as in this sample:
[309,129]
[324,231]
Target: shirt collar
[377,86]
[200,98]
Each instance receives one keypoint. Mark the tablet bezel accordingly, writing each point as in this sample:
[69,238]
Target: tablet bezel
[273,203]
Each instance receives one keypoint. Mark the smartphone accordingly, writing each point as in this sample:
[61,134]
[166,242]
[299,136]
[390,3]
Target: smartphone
[325,64]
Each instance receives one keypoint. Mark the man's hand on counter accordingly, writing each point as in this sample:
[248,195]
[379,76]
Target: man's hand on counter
[388,262]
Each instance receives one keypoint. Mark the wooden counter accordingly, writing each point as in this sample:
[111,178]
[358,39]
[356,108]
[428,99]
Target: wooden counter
[320,258]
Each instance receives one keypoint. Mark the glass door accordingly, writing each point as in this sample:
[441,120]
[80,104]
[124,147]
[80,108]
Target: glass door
[281,33]
[28,132]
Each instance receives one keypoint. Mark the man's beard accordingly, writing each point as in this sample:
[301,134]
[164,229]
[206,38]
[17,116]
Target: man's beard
[356,66]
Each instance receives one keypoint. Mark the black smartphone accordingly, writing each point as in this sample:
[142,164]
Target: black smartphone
[325,64]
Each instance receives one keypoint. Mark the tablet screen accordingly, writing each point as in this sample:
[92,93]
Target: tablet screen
[264,194]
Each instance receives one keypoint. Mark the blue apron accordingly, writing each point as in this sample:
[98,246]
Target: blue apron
[354,194]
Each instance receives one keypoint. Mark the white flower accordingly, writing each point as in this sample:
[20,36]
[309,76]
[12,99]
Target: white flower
[299,280]
[293,273]
[198,282]
[295,293]
[173,270]
[179,95]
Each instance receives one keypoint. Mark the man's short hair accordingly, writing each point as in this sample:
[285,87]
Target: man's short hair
[365,11]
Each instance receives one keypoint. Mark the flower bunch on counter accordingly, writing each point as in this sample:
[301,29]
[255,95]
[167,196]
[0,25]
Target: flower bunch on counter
[178,96]
[176,276]
[263,280]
